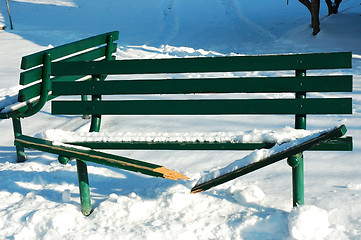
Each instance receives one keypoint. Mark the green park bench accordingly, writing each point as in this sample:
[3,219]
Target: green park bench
[59,79]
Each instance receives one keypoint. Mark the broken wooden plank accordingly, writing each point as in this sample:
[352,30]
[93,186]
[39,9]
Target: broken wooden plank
[276,154]
[85,154]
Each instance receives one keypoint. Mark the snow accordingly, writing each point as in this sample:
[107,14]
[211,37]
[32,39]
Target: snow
[308,222]
[278,136]
[39,199]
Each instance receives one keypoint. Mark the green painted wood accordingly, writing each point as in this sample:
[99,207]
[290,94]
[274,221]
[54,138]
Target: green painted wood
[205,107]
[338,132]
[222,85]
[33,90]
[34,74]
[89,155]
[212,64]
[66,49]
[338,144]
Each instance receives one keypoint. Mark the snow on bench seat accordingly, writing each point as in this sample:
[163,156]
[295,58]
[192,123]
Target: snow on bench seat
[9,99]
[278,136]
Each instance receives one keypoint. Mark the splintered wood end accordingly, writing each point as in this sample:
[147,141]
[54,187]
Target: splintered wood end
[197,190]
[170,174]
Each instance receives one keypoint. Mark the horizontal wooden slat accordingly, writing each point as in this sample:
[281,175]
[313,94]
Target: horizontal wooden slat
[223,85]
[202,64]
[35,74]
[66,49]
[339,144]
[206,107]
[34,90]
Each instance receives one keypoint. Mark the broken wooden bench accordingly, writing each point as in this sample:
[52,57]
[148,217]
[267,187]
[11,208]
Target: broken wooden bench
[299,105]
[98,86]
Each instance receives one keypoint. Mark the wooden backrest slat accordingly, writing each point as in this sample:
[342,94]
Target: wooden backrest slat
[36,59]
[35,74]
[213,85]
[205,107]
[32,91]
[201,64]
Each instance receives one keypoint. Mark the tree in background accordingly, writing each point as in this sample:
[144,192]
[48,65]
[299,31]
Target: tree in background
[314,7]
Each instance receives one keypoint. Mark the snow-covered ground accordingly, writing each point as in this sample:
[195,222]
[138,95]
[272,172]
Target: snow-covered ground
[39,199]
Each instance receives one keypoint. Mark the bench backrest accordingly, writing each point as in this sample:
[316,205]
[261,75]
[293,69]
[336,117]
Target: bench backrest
[299,84]
[37,66]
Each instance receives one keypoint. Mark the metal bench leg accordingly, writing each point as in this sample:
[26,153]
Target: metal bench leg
[296,162]
[84,187]
[17,131]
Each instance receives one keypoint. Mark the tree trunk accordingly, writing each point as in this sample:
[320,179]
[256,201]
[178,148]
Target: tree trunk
[314,7]
[333,7]
[315,12]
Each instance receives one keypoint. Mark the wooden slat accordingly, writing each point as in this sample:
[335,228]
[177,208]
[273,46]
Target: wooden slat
[338,144]
[201,64]
[98,157]
[205,107]
[294,149]
[66,49]
[35,74]
[32,91]
[223,85]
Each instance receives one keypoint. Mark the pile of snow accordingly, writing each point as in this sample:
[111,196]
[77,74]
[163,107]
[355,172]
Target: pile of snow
[308,223]
[248,194]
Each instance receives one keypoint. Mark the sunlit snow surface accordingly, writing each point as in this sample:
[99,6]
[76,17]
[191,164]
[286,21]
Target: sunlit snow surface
[39,199]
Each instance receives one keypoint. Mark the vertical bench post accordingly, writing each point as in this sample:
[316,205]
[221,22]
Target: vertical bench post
[82,170]
[83,181]
[17,131]
[96,119]
[296,161]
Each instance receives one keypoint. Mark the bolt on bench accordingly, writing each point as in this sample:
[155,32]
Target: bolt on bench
[98,86]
